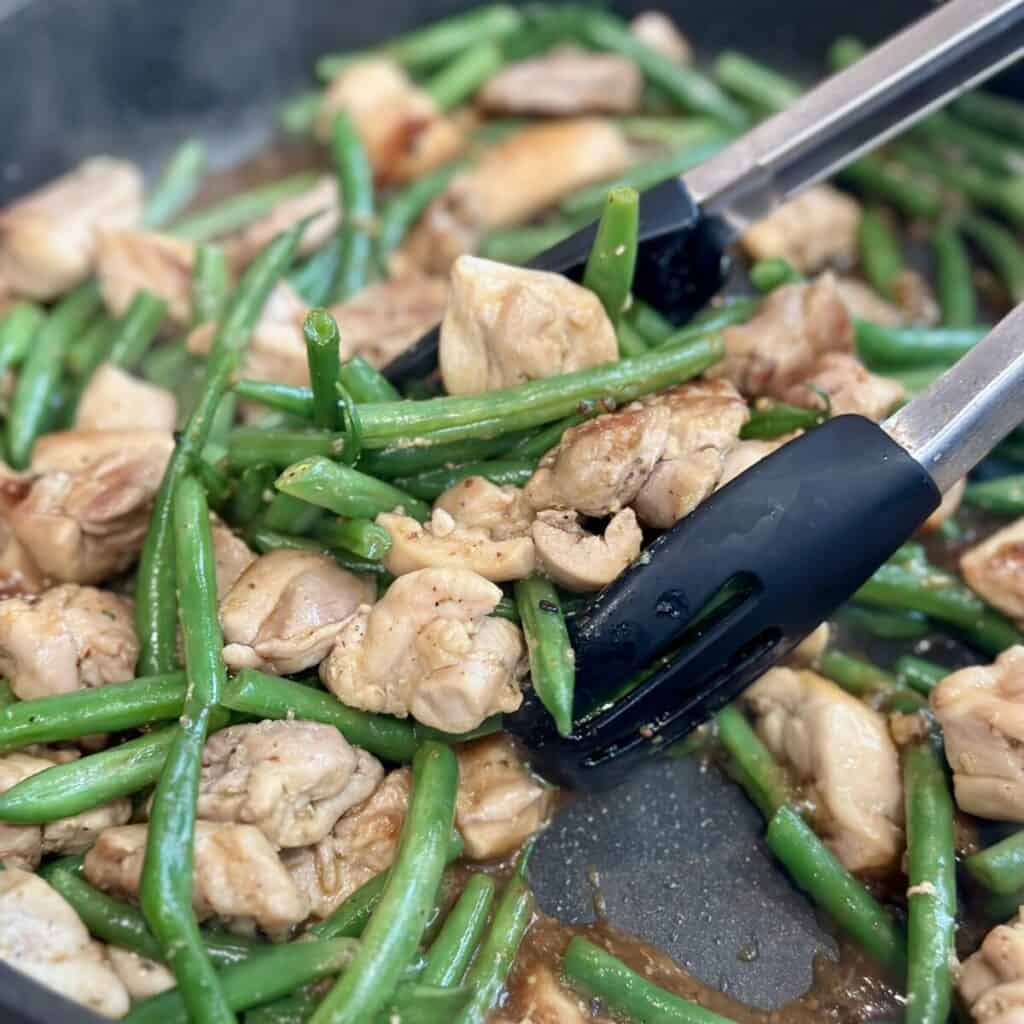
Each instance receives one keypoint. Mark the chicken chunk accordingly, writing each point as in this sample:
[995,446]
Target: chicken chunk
[658,32]
[231,556]
[69,638]
[292,780]
[849,387]
[141,976]
[429,649]
[948,508]
[477,503]
[842,749]
[362,845]
[662,455]
[402,129]
[237,875]
[981,711]
[48,238]
[499,803]
[19,574]
[115,400]
[582,561]
[864,303]
[811,648]
[563,82]
[991,980]
[513,181]
[43,937]
[383,320]
[83,514]
[780,346]
[320,202]
[130,260]
[285,610]
[546,1001]
[743,456]
[816,229]
[508,325]
[995,569]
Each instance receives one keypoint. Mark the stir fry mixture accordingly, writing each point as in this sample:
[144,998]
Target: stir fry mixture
[263,612]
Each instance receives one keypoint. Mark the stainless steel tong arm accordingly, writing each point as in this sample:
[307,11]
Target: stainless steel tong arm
[942,55]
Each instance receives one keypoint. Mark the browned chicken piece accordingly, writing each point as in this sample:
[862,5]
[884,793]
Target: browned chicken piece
[657,30]
[914,296]
[948,508]
[43,937]
[864,303]
[48,238]
[994,569]
[812,647]
[276,350]
[402,129]
[362,845]
[292,780]
[231,555]
[991,980]
[429,649]
[781,345]
[850,387]
[499,803]
[816,229]
[319,202]
[662,455]
[579,560]
[981,711]
[130,260]
[512,181]
[284,612]
[141,976]
[19,574]
[840,747]
[545,1001]
[508,325]
[83,512]
[475,502]
[237,875]
[69,638]
[116,400]
[563,82]
[384,319]
[743,455]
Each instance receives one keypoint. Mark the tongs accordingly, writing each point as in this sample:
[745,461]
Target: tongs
[734,586]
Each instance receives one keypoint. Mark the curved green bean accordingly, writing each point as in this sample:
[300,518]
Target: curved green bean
[450,953]
[552,660]
[896,347]
[178,183]
[612,260]
[999,867]
[355,182]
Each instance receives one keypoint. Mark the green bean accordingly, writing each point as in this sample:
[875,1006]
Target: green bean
[1000,867]
[427,47]
[552,660]
[286,514]
[520,245]
[362,537]
[998,114]
[881,255]
[434,482]
[924,588]
[767,275]
[346,491]
[770,419]
[846,50]
[41,370]
[270,974]
[854,675]
[211,282]
[931,896]
[612,260]
[178,183]
[166,885]
[90,348]
[683,85]
[249,497]
[451,952]
[670,131]
[898,347]
[648,322]
[1004,495]
[891,625]
[314,278]
[917,380]
[954,284]
[121,924]
[364,383]
[602,976]
[393,932]
[588,201]
[18,327]
[321,333]
[135,329]
[296,1008]
[757,771]
[538,443]
[696,332]
[950,137]
[509,409]
[167,364]
[297,114]
[1000,249]
[753,82]
[111,708]
[919,674]
[883,179]
[253,447]
[816,870]
[242,208]
[458,80]
[216,484]
[355,182]
[265,696]
[631,343]
[156,613]
[263,540]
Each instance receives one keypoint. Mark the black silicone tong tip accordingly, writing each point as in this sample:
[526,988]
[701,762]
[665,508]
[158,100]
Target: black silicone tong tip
[681,265]
[799,533]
